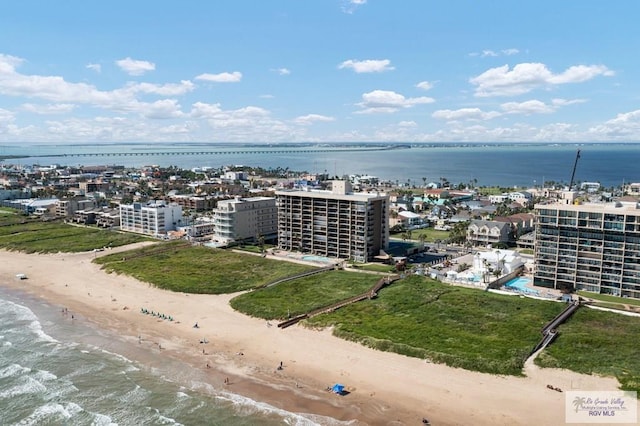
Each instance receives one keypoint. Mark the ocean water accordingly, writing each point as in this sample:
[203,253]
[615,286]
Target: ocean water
[488,164]
[58,371]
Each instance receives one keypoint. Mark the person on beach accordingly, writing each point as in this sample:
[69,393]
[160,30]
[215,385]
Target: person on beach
[195,325]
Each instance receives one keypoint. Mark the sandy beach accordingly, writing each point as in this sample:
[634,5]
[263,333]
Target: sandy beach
[385,388]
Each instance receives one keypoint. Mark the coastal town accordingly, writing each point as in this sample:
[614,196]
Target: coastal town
[358,219]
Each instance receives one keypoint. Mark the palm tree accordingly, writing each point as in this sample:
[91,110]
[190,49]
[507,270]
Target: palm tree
[422,238]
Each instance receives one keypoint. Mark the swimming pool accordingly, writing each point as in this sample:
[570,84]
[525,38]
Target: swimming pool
[312,258]
[520,284]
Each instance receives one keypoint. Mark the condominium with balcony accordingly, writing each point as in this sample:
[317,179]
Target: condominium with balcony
[153,218]
[245,219]
[336,223]
[591,247]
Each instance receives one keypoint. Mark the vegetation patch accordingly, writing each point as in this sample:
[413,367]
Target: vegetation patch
[30,236]
[457,326]
[598,342]
[292,298]
[179,267]
[607,298]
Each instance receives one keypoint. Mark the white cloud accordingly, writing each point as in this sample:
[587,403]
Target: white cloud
[6,116]
[135,67]
[424,85]
[95,67]
[312,118]
[580,73]
[385,101]
[267,96]
[349,6]
[464,114]
[224,77]
[48,109]
[169,89]
[8,63]
[528,107]
[282,71]
[368,65]
[407,124]
[488,53]
[564,102]
[162,109]
[525,77]
[624,126]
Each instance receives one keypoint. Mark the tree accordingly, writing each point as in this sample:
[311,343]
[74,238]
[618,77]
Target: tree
[458,234]
[422,238]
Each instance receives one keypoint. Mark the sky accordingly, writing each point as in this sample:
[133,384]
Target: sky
[78,71]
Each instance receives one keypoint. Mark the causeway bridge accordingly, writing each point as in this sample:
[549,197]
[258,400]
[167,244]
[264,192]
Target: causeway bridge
[257,151]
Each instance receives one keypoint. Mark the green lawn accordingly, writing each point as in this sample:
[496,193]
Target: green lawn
[431,235]
[303,295]
[607,298]
[374,267]
[199,269]
[597,342]
[460,327]
[53,237]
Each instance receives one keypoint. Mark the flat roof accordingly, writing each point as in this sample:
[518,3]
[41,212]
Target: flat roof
[357,196]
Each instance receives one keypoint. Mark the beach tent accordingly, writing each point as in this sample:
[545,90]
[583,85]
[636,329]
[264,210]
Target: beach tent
[337,388]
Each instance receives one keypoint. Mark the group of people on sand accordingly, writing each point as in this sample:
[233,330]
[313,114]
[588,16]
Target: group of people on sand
[554,388]
[156,314]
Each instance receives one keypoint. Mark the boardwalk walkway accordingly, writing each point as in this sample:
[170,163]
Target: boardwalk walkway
[369,294]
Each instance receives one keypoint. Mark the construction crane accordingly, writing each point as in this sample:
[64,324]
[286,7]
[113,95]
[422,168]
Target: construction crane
[573,173]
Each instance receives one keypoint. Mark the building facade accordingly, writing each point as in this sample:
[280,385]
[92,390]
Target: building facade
[336,223]
[154,218]
[591,247]
[245,219]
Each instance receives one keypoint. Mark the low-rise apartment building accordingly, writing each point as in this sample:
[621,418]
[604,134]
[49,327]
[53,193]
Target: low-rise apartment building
[245,219]
[154,218]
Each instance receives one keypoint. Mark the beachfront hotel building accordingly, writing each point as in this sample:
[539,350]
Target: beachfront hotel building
[245,219]
[336,223]
[591,247]
[153,218]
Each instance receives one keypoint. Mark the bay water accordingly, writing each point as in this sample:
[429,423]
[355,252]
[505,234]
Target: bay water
[523,165]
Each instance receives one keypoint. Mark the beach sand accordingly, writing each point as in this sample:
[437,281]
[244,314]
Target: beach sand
[385,388]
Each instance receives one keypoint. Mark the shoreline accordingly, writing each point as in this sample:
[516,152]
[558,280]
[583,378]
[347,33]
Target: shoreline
[385,388]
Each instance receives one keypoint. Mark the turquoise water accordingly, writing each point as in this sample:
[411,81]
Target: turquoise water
[313,258]
[520,284]
[58,371]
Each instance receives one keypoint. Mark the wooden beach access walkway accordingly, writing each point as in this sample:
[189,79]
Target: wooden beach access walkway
[369,294]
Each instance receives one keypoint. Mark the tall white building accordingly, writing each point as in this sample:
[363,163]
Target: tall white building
[245,219]
[153,218]
[336,223]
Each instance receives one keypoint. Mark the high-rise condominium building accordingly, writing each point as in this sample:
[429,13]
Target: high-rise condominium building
[592,247]
[336,223]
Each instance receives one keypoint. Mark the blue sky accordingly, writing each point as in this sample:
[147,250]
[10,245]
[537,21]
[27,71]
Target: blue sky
[319,71]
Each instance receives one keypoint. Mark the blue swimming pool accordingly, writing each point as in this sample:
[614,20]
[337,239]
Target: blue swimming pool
[312,258]
[520,284]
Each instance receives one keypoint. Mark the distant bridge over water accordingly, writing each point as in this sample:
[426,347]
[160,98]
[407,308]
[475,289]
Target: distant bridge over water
[147,153]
